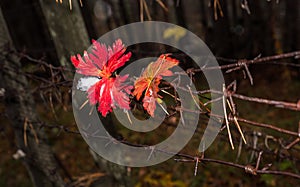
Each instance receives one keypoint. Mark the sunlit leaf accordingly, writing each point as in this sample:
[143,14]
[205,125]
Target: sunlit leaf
[103,88]
[151,77]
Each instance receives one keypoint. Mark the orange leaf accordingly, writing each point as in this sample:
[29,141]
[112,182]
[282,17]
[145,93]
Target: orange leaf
[150,79]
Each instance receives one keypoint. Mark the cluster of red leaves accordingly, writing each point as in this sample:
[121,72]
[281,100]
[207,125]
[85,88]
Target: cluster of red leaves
[111,91]
[102,62]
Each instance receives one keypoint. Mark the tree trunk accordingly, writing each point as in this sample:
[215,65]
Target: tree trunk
[66,28]
[70,36]
[20,108]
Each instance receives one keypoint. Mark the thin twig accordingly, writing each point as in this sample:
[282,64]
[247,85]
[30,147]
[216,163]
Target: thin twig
[25,131]
[226,118]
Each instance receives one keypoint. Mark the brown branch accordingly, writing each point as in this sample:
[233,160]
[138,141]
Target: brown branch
[241,62]
[279,104]
[191,158]
[56,71]
[254,123]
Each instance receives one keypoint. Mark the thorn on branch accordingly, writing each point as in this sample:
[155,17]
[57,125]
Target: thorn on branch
[249,74]
[226,118]
[25,131]
[258,160]
[194,99]
[250,169]
[266,167]
[163,6]
[111,139]
[152,148]
[196,166]
[217,6]
[244,5]
[239,150]
[289,146]
[197,160]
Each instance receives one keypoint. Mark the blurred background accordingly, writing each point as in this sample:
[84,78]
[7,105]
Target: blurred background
[40,144]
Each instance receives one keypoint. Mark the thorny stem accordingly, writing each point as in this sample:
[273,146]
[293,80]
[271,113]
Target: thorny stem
[55,71]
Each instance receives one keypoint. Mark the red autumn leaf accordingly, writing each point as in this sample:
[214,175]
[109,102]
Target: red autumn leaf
[150,79]
[109,93]
[149,103]
[120,92]
[102,62]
